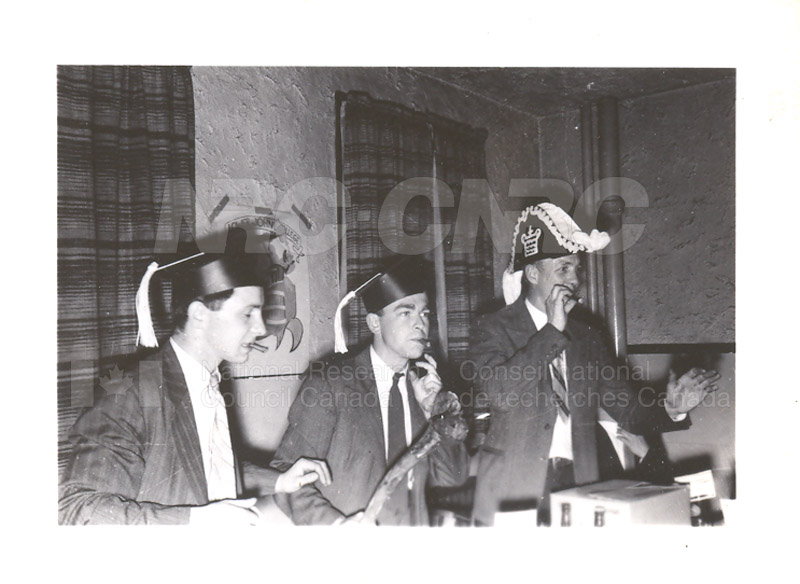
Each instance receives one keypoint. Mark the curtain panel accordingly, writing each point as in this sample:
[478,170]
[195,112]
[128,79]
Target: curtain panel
[383,145]
[125,173]
[468,273]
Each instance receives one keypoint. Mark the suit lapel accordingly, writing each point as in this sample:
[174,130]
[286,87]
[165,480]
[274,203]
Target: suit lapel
[519,324]
[372,419]
[183,424]
[418,422]
[584,419]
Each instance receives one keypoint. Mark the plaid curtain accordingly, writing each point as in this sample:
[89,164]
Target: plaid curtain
[383,145]
[468,273]
[125,146]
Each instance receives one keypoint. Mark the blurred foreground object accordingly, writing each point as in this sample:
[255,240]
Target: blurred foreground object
[447,424]
[621,503]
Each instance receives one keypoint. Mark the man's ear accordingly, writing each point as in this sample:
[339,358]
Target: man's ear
[196,311]
[531,274]
[374,323]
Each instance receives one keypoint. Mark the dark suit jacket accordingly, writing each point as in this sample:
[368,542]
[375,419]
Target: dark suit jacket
[136,456]
[336,417]
[511,367]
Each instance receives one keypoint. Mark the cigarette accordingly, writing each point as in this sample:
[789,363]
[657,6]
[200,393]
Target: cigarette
[258,347]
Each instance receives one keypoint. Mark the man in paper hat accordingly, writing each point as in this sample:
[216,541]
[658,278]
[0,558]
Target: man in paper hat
[539,369]
[159,451]
[361,413]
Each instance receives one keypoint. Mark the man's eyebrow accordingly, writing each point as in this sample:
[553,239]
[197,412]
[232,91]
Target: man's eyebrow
[404,306]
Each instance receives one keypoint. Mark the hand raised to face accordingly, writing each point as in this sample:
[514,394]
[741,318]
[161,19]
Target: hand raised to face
[425,388]
[559,304]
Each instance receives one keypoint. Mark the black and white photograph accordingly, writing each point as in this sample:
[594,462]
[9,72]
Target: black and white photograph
[420,296]
[329,284]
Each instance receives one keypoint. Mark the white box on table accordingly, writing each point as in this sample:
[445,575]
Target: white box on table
[623,503]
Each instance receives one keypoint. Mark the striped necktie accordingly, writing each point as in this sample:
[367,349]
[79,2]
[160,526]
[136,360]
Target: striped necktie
[557,372]
[221,477]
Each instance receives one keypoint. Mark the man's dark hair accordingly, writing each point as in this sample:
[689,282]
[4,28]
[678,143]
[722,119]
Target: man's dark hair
[180,313]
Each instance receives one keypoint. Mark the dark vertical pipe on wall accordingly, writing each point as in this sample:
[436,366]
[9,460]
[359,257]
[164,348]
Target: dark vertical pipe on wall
[340,193]
[610,219]
[601,300]
[587,156]
[438,258]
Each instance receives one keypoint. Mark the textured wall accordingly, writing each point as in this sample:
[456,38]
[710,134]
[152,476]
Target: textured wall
[275,126]
[679,145]
[680,274]
[261,130]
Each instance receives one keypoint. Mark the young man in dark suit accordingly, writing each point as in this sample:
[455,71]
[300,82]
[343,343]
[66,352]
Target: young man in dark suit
[160,452]
[360,413]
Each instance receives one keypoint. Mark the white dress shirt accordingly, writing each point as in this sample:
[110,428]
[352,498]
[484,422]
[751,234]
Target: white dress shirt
[197,381]
[561,446]
[383,379]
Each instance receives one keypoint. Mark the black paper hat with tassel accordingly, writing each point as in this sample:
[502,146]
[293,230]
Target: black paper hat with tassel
[402,277]
[201,274]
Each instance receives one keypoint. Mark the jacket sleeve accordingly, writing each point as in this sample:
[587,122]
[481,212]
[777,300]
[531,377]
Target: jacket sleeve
[312,420]
[655,467]
[102,480]
[258,481]
[504,374]
[638,412]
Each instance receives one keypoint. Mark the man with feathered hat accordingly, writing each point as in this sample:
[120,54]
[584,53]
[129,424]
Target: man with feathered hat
[540,371]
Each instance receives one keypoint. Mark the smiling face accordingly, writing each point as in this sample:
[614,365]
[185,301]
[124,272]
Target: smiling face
[400,332]
[229,330]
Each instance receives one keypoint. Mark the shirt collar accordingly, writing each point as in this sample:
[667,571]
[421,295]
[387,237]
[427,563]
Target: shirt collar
[383,373]
[539,317]
[196,375]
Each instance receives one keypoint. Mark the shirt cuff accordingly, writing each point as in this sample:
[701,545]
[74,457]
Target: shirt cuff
[677,417]
[260,479]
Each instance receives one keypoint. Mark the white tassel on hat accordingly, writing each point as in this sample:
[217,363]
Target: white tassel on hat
[339,342]
[512,285]
[146,335]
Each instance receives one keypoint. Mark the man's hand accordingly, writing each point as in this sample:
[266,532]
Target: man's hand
[558,305]
[636,443]
[686,393]
[426,388]
[225,512]
[303,472]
